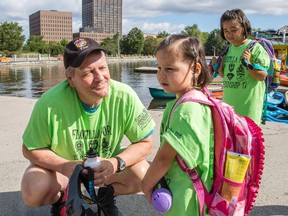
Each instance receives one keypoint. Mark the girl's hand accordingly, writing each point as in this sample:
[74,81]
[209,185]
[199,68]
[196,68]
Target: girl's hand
[247,55]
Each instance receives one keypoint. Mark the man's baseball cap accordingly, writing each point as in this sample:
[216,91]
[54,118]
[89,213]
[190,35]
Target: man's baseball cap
[78,49]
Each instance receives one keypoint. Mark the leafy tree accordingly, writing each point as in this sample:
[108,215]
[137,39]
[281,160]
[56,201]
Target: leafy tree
[150,44]
[55,48]
[163,34]
[111,44]
[204,37]
[36,43]
[192,30]
[214,44]
[133,43]
[195,31]
[64,42]
[11,37]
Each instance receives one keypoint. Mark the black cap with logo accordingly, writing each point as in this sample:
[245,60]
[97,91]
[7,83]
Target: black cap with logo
[78,49]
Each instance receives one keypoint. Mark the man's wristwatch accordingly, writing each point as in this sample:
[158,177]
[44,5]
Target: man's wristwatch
[121,165]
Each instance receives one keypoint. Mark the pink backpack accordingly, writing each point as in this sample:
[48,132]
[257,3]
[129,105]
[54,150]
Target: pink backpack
[233,133]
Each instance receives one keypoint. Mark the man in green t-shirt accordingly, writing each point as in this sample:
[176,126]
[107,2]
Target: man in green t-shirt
[87,110]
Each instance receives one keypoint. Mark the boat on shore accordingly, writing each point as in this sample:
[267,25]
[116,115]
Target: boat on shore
[284,79]
[276,114]
[275,98]
[158,93]
[146,70]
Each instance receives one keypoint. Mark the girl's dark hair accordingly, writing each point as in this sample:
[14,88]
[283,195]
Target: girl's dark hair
[239,15]
[191,50]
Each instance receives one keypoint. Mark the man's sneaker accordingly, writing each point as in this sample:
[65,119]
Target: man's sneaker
[107,202]
[57,206]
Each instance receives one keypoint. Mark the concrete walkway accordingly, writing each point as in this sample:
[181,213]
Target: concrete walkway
[15,112]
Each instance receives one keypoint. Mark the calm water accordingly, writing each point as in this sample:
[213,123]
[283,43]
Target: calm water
[33,81]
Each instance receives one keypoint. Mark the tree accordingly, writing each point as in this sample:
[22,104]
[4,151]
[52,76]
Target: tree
[36,43]
[150,44]
[133,43]
[111,44]
[214,44]
[11,38]
[55,48]
[195,31]
[64,42]
[163,34]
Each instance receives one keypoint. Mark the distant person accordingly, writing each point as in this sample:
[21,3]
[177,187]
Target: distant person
[87,110]
[182,67]
[244,88]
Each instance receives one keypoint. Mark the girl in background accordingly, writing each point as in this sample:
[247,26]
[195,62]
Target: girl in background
[181,67]
[244,88]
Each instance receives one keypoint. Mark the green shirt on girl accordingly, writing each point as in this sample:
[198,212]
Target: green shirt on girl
[190,133]
[241,90]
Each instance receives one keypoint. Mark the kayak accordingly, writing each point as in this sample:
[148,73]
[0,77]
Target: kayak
[283,80]
[215,89]
[277,114]
[275,98]
[158,93]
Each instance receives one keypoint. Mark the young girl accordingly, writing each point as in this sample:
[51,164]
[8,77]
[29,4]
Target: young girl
[244,88]
[189,132]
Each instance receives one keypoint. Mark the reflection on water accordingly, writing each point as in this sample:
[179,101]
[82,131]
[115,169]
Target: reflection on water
[32,81]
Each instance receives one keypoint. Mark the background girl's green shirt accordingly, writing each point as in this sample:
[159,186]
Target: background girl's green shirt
[241,90]
[190,133]
[60,123]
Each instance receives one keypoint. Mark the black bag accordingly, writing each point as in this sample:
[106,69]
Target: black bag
[78,204]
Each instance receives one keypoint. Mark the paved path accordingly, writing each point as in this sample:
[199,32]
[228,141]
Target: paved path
[15,112]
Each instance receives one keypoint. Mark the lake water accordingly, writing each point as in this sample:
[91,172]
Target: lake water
[32,81]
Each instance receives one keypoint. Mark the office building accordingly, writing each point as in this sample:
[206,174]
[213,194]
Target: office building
[52,25]
[102,16]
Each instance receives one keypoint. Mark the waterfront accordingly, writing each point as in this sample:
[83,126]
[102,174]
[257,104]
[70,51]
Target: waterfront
[31,81]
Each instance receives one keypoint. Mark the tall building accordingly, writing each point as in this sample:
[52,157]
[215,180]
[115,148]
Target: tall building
[102,16]
[52,25]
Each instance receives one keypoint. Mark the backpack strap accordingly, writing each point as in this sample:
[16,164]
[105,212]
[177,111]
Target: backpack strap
[90,184]
[269,49]
[194,95]
[251,44]
[199,187]
[252,66]
[216,66]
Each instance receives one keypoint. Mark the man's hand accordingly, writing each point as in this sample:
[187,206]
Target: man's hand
[104,171]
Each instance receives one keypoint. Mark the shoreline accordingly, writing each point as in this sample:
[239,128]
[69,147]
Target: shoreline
[55,61]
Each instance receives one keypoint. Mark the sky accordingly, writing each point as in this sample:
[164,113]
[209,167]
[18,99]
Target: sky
[154,16]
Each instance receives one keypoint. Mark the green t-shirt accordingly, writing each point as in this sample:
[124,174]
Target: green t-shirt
[191,134]
[241,90]
[60,123]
